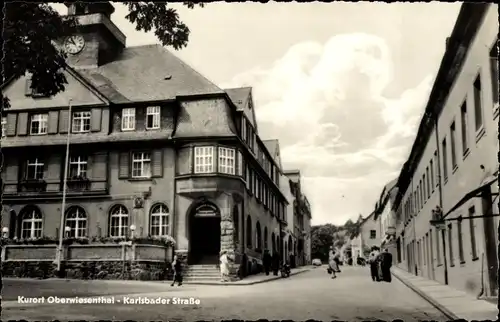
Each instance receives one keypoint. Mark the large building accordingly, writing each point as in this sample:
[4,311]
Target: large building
[453,165]
[155,150]
[299,217]
[367,237]
[386,217]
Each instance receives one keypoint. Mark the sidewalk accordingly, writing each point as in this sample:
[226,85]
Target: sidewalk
[453,303]
[253,279]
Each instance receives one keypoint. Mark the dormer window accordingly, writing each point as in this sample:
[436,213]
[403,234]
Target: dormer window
[81,122]
[38,124]
[153,118]
[128,119]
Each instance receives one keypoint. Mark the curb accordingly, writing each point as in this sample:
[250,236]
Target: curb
[243,283]
[450,315]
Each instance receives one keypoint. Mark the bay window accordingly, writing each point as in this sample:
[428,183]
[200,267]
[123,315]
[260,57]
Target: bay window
[227,162]
[203,159]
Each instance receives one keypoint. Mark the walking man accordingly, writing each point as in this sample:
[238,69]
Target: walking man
[266,261]
[177,267]
[372,259]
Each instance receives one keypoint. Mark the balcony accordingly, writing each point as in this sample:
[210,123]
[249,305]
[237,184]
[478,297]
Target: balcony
[32,185]
[77,184]
[196,186]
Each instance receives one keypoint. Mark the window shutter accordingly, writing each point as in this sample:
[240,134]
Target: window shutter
[53,122]
[157,163]
[63,121]
[11,124]
[22,124]
[95,120]
[97,162]
[239,170]
[124,164]
[28,91]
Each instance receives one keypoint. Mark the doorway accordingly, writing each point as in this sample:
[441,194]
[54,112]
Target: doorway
[204,236]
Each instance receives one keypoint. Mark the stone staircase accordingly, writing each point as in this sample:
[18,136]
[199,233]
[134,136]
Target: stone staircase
[202,273]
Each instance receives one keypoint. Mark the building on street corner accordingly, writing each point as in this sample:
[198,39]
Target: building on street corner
[446,221]
[367,237]
[157,153]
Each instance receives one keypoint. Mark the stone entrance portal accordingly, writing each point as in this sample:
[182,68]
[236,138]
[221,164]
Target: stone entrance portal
[205,235]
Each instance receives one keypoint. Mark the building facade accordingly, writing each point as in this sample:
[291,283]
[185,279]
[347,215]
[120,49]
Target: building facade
[453,166]
[155,149]
[368,236]
[385,212]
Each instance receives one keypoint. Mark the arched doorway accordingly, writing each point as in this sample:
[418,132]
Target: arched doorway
[204,234]
[273,241]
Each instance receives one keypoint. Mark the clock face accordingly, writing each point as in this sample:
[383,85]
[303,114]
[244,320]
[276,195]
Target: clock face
[74,44]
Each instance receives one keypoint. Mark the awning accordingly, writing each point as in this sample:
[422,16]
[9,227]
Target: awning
[474,193]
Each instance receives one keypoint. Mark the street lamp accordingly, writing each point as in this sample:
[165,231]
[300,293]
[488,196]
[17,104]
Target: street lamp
[439,223]
[5,232]
[65,181]
[67,230]
[132,230]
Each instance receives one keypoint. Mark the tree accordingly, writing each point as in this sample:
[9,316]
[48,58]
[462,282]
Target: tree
[321,240]
[30,30]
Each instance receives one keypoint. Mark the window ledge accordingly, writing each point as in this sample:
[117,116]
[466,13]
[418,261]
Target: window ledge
[38,134]
[495,111]
[462,263]
[475,258]
[139,179]
[452,265]
[445,180]
[127,130]
[466,153]
[455,168]
[153,129]
[480,133]
[439,265]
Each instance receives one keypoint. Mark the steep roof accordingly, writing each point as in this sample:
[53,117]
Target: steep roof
[242,98]
[147,73]
[271,146]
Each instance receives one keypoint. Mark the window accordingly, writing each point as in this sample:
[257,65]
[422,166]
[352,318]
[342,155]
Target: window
[421,194]
[373,234]
[153,117]
[478,109]
[31,225]
[258,237]
[78,166]
[424,250]
[203,159]
[81,122]
[159,220]
[128,119]
[438,249]
[494,73]
[424,188]
[227,161]
[118,226]
[453,147]
[38,124]
[450,245]
[463,115]
[431,166]
[445,161]
[34,169]
[249,232]
[460,242]
[76,220]
[266,243]
[428,183]
[473,245]
[141,165]
[436,163]
[4,126]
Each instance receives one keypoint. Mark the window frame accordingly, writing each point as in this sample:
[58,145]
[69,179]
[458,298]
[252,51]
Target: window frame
[80,160]
[128,118]
[35,217]
[478,103]
[226,168]
[83,116]
[79,230]
[453,146]
[464,124]
[204,167]
[162,218]
[142,161]
[155,112]
[123,221]
[43,119]
[4,126]
[38,162]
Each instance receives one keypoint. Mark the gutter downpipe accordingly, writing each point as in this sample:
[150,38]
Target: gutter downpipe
[440,191]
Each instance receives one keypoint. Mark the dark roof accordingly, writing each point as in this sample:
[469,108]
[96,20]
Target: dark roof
[147,73]
[241,97]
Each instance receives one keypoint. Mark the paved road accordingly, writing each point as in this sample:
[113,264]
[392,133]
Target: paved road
[311,295]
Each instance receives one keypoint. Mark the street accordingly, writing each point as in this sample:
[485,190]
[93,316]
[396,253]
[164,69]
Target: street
[310,295]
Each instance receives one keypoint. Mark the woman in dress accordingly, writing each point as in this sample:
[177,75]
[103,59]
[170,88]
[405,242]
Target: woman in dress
[332,264]
[224,266]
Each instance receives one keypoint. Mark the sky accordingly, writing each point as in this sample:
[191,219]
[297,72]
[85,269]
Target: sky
[342,85]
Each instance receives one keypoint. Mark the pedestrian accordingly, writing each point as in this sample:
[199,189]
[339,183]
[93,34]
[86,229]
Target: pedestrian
[336,258]
[266,261]
[372,259]
[385,265]
[275,262]
[224,266]
[177,267]
[332,264]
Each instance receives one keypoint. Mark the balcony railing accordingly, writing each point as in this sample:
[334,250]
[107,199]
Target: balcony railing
[32,185]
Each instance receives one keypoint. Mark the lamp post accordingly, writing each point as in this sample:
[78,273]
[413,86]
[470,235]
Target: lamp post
[67,230]
[5,232]
[132,231]
[65,181]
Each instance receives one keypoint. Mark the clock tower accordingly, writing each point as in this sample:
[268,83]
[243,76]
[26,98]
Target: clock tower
[96,40]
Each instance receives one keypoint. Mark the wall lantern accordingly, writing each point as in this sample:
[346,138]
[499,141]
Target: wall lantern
[5,232]
[437,218]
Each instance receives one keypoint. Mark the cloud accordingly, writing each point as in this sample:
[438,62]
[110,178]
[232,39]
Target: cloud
[326,105]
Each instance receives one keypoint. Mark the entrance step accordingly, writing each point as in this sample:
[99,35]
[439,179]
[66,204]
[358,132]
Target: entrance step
[202,273]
